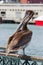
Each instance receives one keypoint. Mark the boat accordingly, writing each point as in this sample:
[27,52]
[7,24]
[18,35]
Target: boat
[39,21]
[15,12]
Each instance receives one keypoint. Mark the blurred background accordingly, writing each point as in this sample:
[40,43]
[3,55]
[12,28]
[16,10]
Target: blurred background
[24,1]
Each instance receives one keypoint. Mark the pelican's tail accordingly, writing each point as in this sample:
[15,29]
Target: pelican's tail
[11,51]
[7,51]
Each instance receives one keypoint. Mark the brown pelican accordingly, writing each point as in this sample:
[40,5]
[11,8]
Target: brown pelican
[21,38]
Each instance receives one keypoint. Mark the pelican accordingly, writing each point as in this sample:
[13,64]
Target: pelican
[22,36]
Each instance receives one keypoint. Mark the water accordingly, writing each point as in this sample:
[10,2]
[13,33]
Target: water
[34,48]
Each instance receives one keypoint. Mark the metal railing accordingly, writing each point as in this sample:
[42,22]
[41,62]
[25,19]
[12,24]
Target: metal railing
[16,59]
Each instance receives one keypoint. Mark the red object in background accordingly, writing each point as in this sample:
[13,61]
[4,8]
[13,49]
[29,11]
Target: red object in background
[23,1]
[39,23]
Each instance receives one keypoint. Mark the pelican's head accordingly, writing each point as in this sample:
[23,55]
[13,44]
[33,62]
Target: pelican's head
[28,15]
[29,12]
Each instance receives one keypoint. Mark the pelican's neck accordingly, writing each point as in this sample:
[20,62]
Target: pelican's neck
[25,27]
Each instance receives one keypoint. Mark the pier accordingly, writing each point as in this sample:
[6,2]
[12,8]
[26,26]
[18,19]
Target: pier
[18,59]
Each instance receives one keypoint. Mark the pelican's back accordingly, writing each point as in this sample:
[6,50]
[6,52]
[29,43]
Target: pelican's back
[24,39]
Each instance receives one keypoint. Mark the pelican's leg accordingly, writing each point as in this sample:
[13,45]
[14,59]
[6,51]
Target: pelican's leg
[23,51]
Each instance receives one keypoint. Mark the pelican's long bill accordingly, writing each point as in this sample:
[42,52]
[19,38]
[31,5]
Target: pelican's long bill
[26,18]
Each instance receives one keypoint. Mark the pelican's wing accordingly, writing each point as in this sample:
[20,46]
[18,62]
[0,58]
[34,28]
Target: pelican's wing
[24,39]
[12,43]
